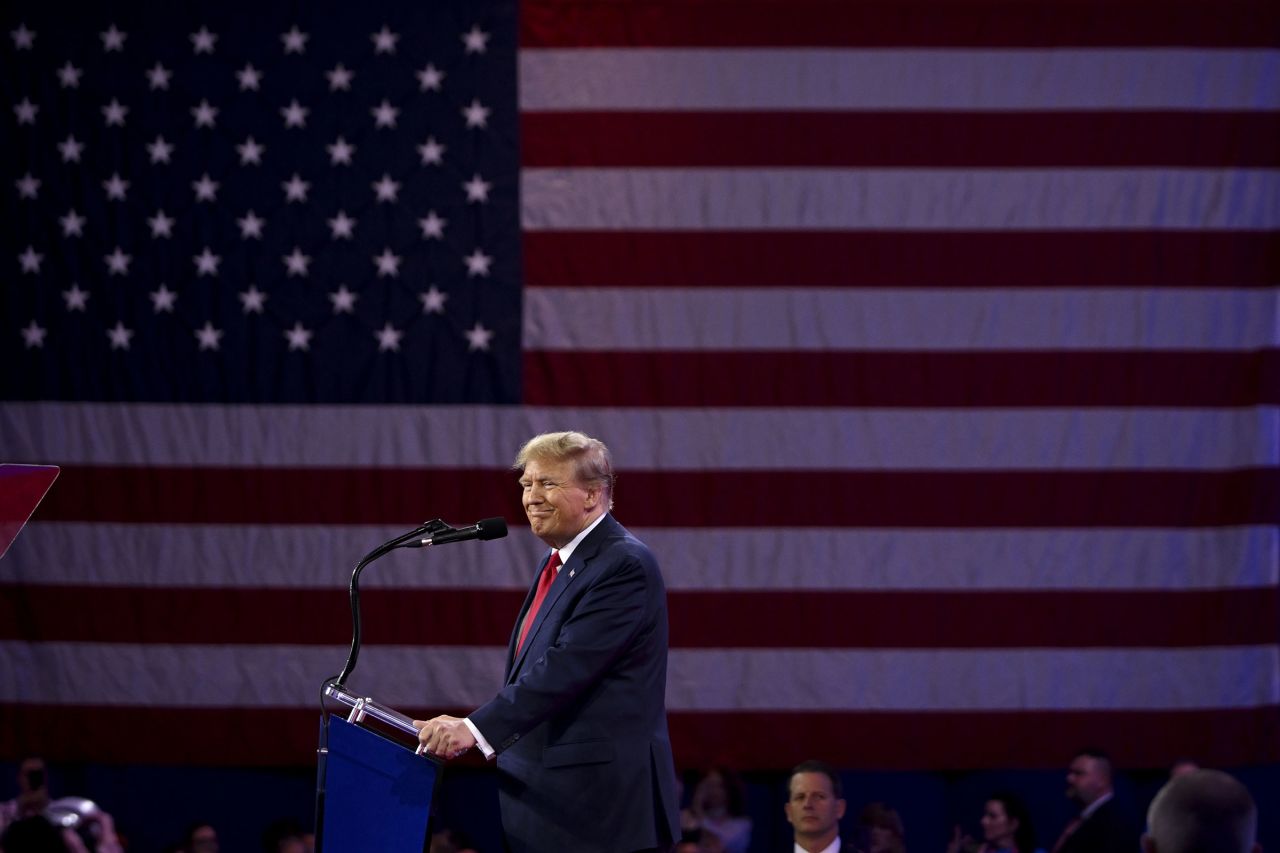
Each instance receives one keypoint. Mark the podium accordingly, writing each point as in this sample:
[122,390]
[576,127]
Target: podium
[374,791]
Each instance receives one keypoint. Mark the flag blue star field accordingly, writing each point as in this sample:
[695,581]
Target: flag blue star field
[935,342]
[265,212]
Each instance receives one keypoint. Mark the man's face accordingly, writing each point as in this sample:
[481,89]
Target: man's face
[812,807]
[557,505]
[1086,780]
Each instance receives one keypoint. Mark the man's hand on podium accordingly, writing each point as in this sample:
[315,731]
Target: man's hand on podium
[445,736]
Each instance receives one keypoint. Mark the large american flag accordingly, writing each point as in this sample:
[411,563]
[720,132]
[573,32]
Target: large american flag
[936,342]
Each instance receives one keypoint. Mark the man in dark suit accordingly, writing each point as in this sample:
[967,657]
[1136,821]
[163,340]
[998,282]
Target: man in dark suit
[580,728]
[1100,827]
[815,805]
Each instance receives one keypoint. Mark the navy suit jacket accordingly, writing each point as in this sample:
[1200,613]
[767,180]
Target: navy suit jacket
[584,758]
[1105,831]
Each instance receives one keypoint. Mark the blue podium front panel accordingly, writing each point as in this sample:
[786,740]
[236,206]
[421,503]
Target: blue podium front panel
[377,793]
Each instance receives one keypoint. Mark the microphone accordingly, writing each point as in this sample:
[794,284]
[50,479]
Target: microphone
[485,529]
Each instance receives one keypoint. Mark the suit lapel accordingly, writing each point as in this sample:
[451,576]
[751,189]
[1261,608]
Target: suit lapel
[569,574]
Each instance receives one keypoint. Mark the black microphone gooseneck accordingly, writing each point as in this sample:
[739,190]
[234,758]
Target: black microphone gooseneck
[432,527]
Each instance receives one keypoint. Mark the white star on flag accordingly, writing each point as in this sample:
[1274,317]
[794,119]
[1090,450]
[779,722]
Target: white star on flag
[475,40]
[250,152]
[295,189]
[430,79]
[162,299]
[203,40]
[72,224]
[342,226]
[250,226]
[159,150]
[294,40]
[295,115]
[384,115]
[33,335]
[432,226]
[26,111]
[344,300]
[432,152]
[158,77]
[206,262]
[299,337]
[70,149]
[296,263]
[249,77]
[161,225]
[28,186]
[339,78]
[69,76]
[119,336]
[76,298]
[208,336]
[116,187]
[114,113]
[388,263]
[384,41]
[478,337]
[478,264]
[23,38]
[477,189]
[30,260]
[433,300]
[206,189]
[205,114]
[252,300]
[388,338]
[386,189]
[340,152]
[117,262]
[113,39]
[476,114]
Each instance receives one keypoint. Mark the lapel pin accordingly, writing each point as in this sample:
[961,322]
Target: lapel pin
[572,572]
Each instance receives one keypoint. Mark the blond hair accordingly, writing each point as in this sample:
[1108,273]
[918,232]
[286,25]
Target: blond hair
[592,461]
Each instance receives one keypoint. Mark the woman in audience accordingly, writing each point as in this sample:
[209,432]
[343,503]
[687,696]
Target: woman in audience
[1006,828]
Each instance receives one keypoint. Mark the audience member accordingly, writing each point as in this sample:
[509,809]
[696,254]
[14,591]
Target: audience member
[201,838]
[284,836]
[33,834]
[1099,827]
[1006,828]
[880,830]
[719,805]
[1182,766]
[33,793]
[815,805]
[1202,811]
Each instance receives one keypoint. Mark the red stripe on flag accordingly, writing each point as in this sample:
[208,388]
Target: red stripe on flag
[757,619]
[930,259]
[898,139]
[931,23]
[902,379]
[260,737]
[1113,498]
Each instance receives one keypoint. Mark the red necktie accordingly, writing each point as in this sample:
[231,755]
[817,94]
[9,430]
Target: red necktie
[544,583]
[1066,833]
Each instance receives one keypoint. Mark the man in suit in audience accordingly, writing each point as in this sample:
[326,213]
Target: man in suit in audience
[1202,811]
[815,805]
[1100,827]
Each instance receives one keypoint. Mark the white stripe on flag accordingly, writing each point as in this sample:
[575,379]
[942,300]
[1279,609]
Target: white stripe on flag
[875,79]
[320,556]
[642,439]
[675,318]
[702,680]
[899,199]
